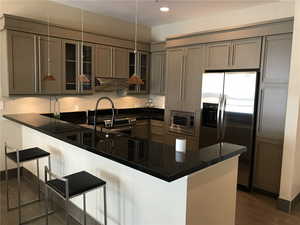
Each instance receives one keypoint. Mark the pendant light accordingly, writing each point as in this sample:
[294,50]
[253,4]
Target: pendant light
[135,79]
[49,76]
[82,77]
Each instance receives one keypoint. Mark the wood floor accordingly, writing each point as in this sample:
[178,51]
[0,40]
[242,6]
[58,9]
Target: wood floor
[252,209]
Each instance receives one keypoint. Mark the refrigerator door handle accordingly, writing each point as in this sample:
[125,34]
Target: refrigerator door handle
[223,118]
[218,118]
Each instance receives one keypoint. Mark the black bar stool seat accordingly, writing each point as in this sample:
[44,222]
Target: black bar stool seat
[28,154]
[79,183]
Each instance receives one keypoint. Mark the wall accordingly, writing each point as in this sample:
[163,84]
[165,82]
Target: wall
[290,179]
[70,17]
[229,19]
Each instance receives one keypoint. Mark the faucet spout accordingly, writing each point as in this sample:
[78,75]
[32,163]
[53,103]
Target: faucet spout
[112,108]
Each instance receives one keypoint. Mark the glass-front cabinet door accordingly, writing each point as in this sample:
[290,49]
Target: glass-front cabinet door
[75,64]
[142,71]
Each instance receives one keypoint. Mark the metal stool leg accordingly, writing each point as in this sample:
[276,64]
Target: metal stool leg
[104,198]
[67,211]
[84,209]
[19,189]
[46,204]
[38,179]
[6,179]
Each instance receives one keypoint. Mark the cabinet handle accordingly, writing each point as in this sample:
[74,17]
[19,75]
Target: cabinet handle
[112,72]
[183,78]
[260,112]
[35,64]
[78,67]
[39,65]
[161,75]
[229,55]
[180,82]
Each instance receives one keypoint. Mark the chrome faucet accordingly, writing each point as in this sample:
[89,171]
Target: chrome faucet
[112,108]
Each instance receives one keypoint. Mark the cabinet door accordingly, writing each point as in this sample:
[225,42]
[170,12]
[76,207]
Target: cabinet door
[157,73]
[104,61]
[272,111]
[218,55]
[175,67]
[268,160]
[246,53]
[121,63]
[192,79]
[55,63]
[87,66]
[71,69]
[277,58]
[144,71]
[22,59]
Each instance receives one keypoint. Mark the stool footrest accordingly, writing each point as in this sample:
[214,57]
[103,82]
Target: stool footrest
[24,204]
[37,217]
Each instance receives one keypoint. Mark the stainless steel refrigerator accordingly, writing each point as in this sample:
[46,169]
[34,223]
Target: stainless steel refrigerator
[228,106]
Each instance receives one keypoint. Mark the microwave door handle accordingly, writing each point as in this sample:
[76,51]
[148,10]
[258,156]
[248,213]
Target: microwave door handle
[218,118]
[223,117]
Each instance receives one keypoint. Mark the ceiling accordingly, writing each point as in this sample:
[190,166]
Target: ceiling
[149,13]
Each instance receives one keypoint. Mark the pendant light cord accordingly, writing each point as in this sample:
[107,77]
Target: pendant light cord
[82,21]
[136,37]
[49,64]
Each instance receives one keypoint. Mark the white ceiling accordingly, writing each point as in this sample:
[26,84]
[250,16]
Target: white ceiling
[149,13]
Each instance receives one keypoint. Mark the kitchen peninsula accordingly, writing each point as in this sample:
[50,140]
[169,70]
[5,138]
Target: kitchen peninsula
[148,182]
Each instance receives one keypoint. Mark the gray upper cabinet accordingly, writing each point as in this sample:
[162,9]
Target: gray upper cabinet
[246,53]
[120,63]
[74,63]
[277,57]
[237,54]
[192,80]
[22,63]
[158,65]
[184,77]
[55,63]
[218,55]
[104,61]
[175,67]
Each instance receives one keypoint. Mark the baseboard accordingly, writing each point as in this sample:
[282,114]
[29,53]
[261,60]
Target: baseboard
[286,205]
[264,192]
[58,203]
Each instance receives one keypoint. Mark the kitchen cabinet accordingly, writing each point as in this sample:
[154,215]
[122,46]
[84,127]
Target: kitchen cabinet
[112,62]
[28,64]
[158,65]
[104,61]
[236,54]
[184,76]
[73,61]
[142,71]
[55,63]
[22,63]
[272,111]
[120,63]
[141,129]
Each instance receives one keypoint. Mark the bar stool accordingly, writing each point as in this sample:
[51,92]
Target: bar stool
[72,186]
[21,156]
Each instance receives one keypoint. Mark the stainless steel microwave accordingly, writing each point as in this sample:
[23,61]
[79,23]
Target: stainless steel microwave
[182,122]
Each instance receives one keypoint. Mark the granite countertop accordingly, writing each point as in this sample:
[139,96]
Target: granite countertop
[156,159]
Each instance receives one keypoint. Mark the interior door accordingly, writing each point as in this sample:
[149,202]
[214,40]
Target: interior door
[212,91]
[239,110]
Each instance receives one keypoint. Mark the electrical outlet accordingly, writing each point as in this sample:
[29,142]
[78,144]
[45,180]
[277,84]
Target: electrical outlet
[76,108]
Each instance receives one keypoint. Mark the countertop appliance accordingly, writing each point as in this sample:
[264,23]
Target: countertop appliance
[229,105]
[182,122]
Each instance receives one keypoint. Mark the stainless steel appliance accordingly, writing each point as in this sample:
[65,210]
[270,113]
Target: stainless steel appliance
[229,102]
[182,122]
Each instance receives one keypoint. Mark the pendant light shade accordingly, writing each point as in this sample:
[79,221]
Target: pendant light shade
[135,80]
[49,77]
[83,78]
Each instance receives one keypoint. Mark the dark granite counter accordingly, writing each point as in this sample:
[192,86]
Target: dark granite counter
[158,160]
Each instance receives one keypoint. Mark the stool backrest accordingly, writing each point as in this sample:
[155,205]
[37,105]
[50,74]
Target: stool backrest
[16,150]
[52,175]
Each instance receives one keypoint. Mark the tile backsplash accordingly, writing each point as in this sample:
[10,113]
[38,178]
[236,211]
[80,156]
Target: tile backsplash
[74,103]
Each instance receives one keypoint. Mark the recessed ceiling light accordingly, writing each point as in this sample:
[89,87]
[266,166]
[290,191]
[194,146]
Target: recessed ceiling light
[164,9]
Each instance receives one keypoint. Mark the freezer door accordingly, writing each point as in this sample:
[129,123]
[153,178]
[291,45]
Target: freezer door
[238,121]
[212,92]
